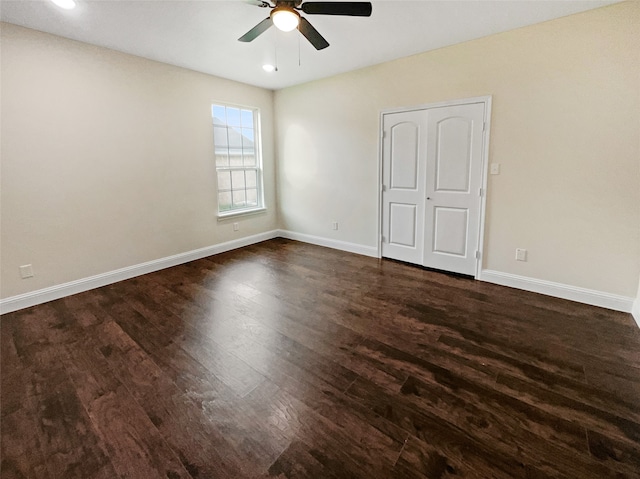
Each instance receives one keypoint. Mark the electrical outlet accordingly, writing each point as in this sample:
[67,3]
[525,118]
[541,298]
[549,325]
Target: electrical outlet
[26,271]
[334,225]
[521,254]
[236,226]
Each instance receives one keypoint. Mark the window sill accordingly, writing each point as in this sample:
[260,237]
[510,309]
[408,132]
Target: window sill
[234,214]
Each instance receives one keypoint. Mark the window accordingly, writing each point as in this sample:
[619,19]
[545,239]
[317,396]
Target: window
[237,155]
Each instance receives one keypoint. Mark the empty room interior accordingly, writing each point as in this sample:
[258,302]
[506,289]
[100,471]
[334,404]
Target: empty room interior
[400,240]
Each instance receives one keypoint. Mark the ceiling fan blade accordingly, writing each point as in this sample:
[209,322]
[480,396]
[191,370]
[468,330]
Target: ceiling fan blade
[258,3]
[312,34]
[259,29]
[354,9]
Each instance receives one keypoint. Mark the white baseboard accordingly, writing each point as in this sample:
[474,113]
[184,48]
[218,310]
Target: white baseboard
[573,293]
[330,243]
[635,312]
[559,290]
[40,296]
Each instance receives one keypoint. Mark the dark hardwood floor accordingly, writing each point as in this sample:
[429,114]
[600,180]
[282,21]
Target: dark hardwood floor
[288,360]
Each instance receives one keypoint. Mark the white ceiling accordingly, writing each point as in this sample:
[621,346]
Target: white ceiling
[202,35]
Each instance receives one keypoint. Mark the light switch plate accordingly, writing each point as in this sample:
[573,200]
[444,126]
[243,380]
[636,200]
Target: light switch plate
[495,168]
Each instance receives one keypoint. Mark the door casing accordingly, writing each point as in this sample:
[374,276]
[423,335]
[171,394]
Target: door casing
[484,168]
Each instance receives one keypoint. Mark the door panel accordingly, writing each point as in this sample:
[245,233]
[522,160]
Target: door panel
[403,227]
[403,172]
[450,228]
[453,155]
[404,156]
[453,181]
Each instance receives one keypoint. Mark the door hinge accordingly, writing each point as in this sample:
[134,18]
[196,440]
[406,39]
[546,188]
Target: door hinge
[477,254]
[384,188]
[480,191]
[484,126]
[383,134]
[384,240]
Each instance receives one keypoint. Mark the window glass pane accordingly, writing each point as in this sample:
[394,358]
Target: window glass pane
[224,201]
[235,159]
[224,180]
[252,197]
[222,160]
[238,180]
[249,160]
[247,137]
[220,138]
[247,134]
[238,198]
[247,118]
[218,114]
[235,139]
[233,116]
[248,149]
[251,178]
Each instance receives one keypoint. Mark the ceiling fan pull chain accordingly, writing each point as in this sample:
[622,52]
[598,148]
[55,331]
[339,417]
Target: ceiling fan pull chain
[275,48]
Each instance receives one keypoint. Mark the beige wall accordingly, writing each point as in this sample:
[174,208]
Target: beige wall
[565,129]
[107,160]
[106,157]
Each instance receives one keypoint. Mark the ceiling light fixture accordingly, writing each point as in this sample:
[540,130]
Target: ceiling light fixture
[285,19]
[66,4]
[269,68]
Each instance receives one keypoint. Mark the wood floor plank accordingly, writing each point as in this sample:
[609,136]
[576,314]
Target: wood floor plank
[620,455]
[440,435]
[557,361]
[234,373]
[212,410]
[490,414]
[288,360]
[442,458]
[51,434]
[134,444]
[542,380]
[245,339]
[519,451]
[618,425]
[185,426]
[344,444]
[296,462]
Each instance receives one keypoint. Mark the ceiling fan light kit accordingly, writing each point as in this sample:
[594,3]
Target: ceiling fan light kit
[285,19]
[284,15]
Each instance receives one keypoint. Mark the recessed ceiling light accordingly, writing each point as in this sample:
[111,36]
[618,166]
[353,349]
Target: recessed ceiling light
[66,4]
[268,68]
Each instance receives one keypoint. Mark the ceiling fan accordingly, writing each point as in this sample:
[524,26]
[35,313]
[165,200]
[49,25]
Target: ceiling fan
[284,15]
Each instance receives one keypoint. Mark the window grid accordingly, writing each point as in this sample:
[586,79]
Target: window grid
[237,159]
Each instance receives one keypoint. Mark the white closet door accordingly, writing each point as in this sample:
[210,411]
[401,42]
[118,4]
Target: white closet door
[403,185]
[453,182]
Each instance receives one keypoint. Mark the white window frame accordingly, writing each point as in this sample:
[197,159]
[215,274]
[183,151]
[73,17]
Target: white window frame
[257,145]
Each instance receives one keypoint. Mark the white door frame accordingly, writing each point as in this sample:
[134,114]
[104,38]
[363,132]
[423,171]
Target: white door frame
[484,168]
